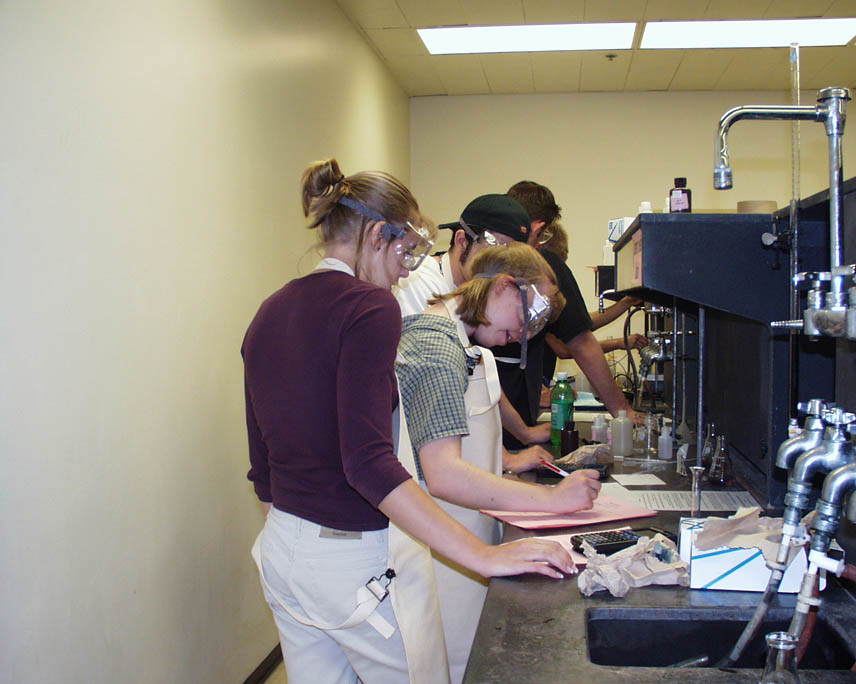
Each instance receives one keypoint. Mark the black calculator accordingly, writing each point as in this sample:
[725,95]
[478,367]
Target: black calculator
[606,542]
[610,541]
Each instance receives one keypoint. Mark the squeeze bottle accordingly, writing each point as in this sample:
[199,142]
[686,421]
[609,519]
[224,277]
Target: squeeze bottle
[664,444]
[598,429]
[622,435]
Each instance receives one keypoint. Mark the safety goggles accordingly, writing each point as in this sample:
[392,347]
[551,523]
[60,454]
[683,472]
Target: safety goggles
[489,238]
[535,315]
[414,243]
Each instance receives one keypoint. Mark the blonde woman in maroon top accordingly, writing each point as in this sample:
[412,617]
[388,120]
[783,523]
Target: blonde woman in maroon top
[343,508]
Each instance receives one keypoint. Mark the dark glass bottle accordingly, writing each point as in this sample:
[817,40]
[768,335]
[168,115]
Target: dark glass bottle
[680,197]
[570,438]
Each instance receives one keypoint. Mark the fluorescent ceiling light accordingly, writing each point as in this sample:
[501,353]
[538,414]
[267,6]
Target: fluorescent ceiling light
[529,38]
[748,34]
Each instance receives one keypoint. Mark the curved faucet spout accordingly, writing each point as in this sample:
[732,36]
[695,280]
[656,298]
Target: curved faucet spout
[722,179]
[791,448]
[838,484]
[834,451]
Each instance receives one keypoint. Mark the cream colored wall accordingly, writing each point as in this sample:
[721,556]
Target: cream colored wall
[149,164]
[603,153]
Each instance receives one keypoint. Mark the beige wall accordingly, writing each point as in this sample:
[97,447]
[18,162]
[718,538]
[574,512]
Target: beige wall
[603,153]
[149,163]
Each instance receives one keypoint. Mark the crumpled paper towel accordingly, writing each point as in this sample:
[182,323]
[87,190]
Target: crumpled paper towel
[745,529]
[588,454]
[652,560]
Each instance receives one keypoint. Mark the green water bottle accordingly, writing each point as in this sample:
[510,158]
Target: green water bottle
[561,407]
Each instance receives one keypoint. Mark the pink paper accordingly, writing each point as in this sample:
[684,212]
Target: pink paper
[605,509]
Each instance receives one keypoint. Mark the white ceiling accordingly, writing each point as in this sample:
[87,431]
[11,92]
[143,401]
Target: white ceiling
[390,26]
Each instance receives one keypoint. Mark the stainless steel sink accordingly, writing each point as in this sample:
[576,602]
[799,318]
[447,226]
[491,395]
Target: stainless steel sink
[651,637]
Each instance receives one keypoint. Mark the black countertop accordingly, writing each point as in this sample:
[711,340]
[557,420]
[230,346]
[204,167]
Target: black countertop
[533,628]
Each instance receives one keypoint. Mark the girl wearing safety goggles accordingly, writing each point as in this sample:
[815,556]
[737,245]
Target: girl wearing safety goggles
[450,391]
[352,593]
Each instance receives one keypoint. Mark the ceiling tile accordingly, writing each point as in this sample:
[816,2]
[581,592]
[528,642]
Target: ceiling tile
[373,13]
[842,8]
[556,72]
[652,69]
[508,73]
[462,74]
[701,69]
[599,73]
[815,60]
[417,75]
[395,42]
[736,9]
[674,10]
[493,12]
[553,11]
[434,13]
[838,71]
[614,10]
[797,8]
[767,69]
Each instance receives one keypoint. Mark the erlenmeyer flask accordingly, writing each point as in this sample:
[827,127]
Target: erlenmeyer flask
[709,445]
[781,665]
[720,466]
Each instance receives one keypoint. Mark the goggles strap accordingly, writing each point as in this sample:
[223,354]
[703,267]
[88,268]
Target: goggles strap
[524,340]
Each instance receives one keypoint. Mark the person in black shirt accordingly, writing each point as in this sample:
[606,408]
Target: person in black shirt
[573,328]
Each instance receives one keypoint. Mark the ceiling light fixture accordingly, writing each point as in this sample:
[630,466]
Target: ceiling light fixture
[529,38]
[747,34]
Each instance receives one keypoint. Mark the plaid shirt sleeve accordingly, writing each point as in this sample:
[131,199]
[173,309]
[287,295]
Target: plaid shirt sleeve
[432,374]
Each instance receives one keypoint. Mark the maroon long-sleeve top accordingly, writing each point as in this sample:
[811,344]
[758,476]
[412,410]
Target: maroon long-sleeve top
[320,390]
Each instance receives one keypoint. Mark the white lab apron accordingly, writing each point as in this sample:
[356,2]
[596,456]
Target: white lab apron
[461,591]
[413,590]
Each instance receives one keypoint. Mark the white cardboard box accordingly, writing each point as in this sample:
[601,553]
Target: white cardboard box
[734,569]
[617,226]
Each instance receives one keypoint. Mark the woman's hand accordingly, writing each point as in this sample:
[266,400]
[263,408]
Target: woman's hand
[576,492]
[538,433]
[542,556]
[524,460]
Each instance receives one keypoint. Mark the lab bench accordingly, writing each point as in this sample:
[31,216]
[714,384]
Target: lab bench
[540,630]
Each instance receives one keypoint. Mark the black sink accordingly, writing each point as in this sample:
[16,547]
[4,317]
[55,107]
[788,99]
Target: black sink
[650,637]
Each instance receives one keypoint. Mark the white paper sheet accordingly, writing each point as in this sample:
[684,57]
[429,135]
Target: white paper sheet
[628,479]
[681,501]
[615,490]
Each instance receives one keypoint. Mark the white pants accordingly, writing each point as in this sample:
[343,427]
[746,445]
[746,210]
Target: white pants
[318,577]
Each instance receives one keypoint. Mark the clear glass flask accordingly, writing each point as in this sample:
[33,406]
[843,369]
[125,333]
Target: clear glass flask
[720,465]
[781,665]
[709,445]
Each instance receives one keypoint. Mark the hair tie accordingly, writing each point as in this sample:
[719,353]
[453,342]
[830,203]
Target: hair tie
[339,179]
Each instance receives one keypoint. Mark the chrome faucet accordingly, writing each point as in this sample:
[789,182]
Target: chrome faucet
[837,485]
[810,436]
[834,451]
[827,312]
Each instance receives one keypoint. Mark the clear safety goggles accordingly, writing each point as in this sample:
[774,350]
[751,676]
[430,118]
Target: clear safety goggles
[491,239]
[414,243]
[535,316]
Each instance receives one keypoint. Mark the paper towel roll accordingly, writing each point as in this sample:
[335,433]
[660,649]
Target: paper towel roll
[756,207]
